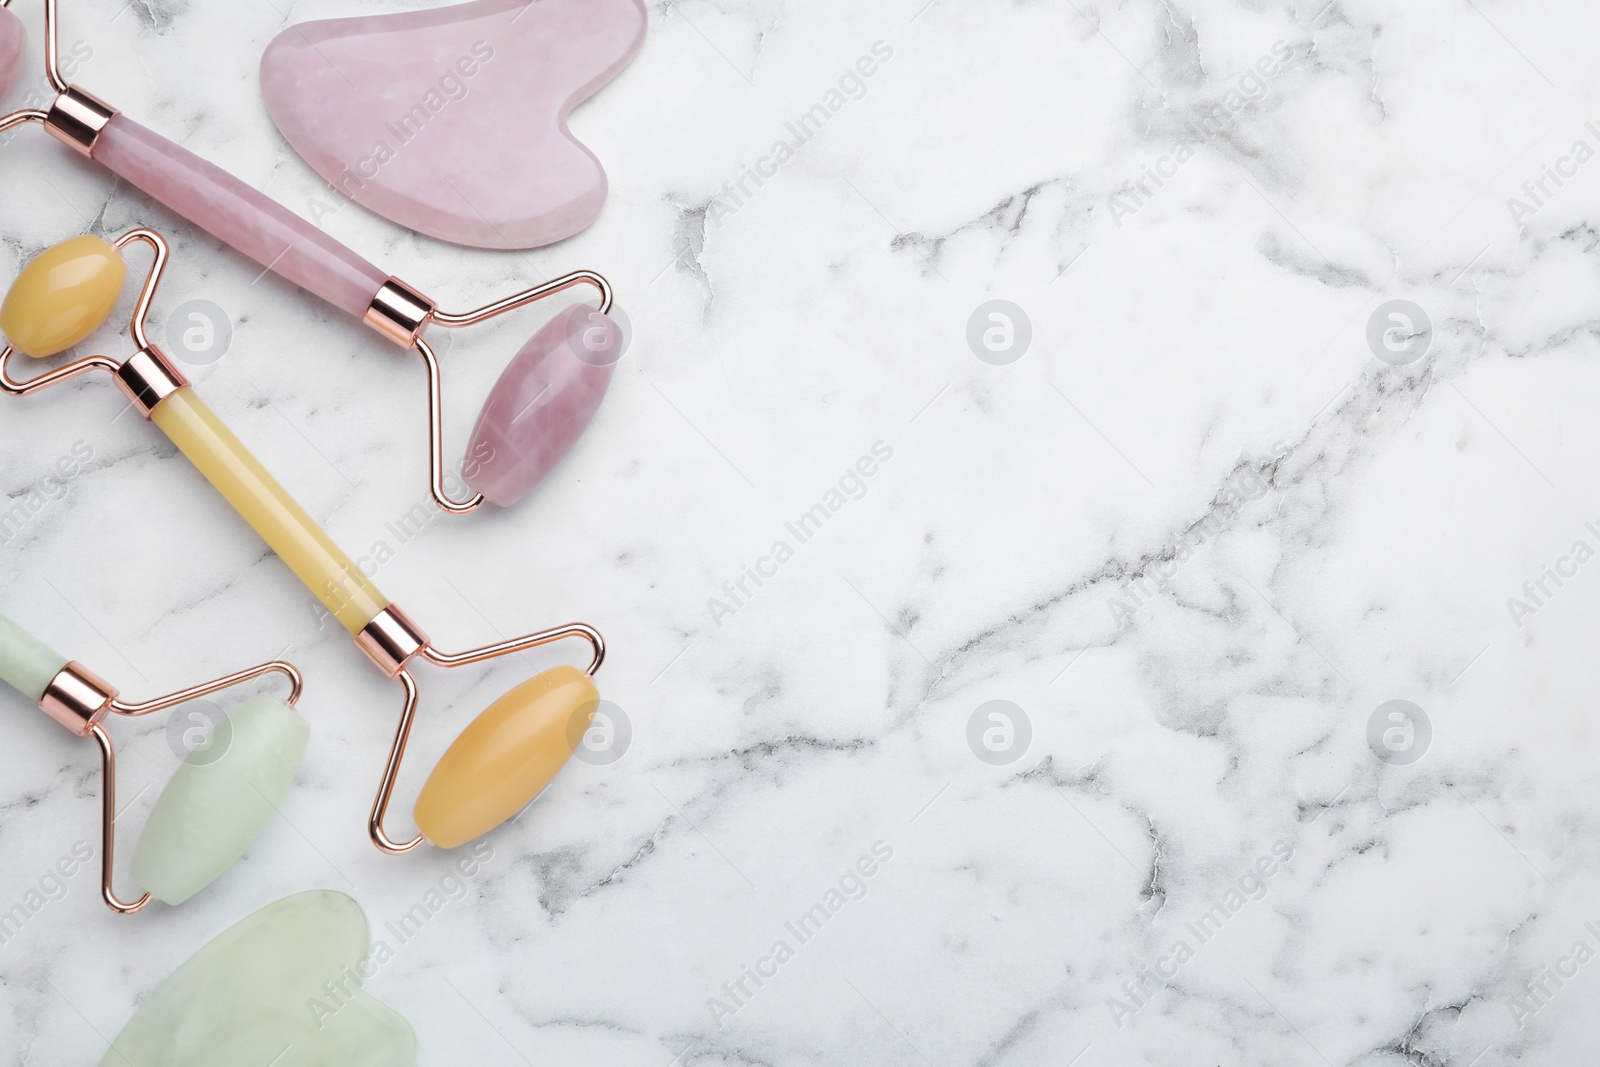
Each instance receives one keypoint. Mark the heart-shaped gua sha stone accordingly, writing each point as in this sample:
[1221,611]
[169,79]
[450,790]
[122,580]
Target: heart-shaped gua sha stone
[453,122]
[281,987]
[13,47]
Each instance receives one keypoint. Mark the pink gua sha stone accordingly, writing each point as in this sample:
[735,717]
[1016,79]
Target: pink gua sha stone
[13,46]
[542,403]
[453,122]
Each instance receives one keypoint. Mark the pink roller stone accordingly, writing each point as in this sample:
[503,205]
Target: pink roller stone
[231,211]
[542,404]
[453,122]
[13,47]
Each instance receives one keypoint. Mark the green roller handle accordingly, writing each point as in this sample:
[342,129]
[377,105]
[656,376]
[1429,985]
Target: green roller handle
[27,664]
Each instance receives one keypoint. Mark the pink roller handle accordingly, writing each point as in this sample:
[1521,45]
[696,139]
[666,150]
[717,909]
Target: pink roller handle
[231,211]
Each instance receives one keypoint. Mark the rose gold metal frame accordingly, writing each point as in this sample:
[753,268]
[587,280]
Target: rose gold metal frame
[392,641]
[75,117]
[148,376]
[80,700]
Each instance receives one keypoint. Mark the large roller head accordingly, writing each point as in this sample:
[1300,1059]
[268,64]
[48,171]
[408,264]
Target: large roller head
[506,756]
[215,806]
[13,48]
[542,403]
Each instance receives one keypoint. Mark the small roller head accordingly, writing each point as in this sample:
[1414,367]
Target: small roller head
[63,295]
[13,48]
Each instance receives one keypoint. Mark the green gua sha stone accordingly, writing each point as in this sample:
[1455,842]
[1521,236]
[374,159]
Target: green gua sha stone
[214,806]
[256,995]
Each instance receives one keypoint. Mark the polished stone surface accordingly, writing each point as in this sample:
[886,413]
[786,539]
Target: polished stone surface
[506,756]
[541,405]
[219,800]
[281,987]
[62,296]
[453,121]
[238,213]
[27,664]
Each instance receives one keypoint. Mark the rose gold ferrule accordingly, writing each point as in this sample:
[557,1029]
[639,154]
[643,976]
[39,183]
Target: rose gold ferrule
[148,378]
[77,698]
[391,639]
[399,312]
[76,118]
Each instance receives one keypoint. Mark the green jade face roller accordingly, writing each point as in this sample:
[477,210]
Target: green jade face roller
[506,756]
[213,807]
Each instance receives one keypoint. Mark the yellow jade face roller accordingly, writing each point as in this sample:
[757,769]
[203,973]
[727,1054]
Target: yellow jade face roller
[510,752]
[216,803]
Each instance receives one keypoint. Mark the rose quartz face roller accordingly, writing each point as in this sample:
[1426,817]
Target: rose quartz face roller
[542,402]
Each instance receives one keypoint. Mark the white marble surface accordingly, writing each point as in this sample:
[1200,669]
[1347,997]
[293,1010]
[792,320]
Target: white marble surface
[1199,376]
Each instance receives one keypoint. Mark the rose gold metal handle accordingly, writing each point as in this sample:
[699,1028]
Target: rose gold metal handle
[441,496]
[297,686]
[108,825]
[391,771]
[528,296]
[72,370]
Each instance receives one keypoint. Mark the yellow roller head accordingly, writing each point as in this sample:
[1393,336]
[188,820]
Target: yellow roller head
[62,296]
[506,757]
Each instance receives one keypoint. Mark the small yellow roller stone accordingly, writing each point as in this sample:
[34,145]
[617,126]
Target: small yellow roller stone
[62,296]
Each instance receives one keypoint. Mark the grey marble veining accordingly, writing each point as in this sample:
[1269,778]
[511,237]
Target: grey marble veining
[1197,538]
